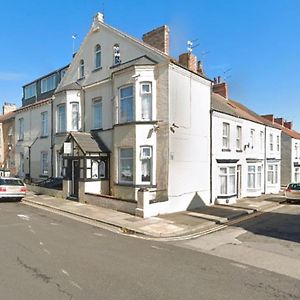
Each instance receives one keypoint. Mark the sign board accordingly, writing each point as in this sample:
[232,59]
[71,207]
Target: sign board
[67,148]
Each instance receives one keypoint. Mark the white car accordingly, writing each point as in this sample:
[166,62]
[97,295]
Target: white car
[12,188]
[292,192]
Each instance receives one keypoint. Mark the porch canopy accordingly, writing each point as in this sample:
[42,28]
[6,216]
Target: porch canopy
[85,156]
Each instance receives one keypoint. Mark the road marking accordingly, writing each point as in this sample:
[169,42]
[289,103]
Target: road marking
[239,266]
[65,272]
[54,224]
[47,251]
[76,285]
[24,217]
[98,234]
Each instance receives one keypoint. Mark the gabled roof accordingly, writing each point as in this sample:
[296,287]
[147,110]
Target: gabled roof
[69,87]
[88,142]
[236,109]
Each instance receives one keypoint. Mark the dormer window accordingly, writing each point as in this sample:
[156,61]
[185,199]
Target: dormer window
[117,59]
[81,69]
[97,56]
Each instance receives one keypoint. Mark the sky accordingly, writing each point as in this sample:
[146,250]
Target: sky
[254,45]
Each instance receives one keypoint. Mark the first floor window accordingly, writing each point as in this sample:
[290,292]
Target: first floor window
[126,165]
[44,163]
[21,128]
[272,174]
[75,116]
[146,99]
[44,116]
[227,180]
[238,137]
[97,114]
[226,136]
[254,176]
[61,118]
[126,104]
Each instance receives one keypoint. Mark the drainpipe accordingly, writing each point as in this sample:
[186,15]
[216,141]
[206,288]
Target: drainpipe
[210,153]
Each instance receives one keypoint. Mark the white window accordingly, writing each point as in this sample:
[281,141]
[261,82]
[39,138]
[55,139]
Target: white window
[126,165]
[30,91]
[297,175]
[21,129]
[61,118]
[278,143]
[126,104]
[75,115]
[238,137]
[146,100]
[97,113]
[273,174]
[254,176]
[97,56]
[226,135]
[146,163]
[227,180]
[261,141]
[81,69]
[48,84]
[44,163]
[271,142]
[252,133]
[116,52]
[44,117]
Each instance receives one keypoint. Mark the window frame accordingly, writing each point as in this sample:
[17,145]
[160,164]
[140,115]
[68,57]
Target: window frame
[229,190]
[127,120]
[257,174]
[31,87]
[44,121]
[44,163]
[271,142]
[51,81]
[272,172]
[143,96]
[226,136]
[61,128]
[98,57]
[76,115]
[121,180]
[95,103]
[239,137]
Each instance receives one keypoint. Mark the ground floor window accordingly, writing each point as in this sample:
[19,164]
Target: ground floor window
[146,163]
[44,163]
[297,174]
[254,176]
[227,180]
[272,174]
[126,165]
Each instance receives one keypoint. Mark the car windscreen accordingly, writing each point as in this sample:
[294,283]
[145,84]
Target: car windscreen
[295,186]
[9,181]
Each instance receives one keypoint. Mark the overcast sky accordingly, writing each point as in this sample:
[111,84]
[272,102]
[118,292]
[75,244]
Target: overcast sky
[254,45]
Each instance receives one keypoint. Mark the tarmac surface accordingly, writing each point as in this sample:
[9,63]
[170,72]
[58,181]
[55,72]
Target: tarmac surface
[177,225]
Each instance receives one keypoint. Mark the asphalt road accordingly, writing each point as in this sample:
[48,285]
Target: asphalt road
[48,256]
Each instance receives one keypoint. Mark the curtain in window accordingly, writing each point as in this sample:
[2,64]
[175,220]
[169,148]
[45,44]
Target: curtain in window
[223,181]
[126,165]
[75,116]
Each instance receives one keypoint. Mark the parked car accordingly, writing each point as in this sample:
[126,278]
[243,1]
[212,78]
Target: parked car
[12,188]
[292,192]
[52,183]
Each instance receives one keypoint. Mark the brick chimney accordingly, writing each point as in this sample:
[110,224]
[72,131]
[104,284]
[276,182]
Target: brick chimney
[8,107]
[189,61]
[279,121]
[288,125]
[158,38]
[269,117]
[220,87]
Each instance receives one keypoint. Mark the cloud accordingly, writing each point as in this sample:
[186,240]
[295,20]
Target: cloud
[11,76]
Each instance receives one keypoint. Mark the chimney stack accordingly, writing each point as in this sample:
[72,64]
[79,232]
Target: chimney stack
[200,69]
[220,87]
[189,61]
[279,121]
[269,117]
[8,107]
[288,125]
[158,38]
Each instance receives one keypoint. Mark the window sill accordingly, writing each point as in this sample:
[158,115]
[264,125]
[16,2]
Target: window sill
[226,196]
[226,150]
[239,150]
[97,69]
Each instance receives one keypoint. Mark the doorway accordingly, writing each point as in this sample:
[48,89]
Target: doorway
[75,178]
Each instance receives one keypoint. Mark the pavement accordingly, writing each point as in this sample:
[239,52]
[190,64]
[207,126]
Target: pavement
[177,225]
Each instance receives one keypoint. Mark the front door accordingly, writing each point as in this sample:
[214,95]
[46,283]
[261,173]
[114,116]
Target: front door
[75,178]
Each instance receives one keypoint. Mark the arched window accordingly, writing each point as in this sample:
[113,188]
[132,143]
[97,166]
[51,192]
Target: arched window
[81,69]
[117,59]
[97,56]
